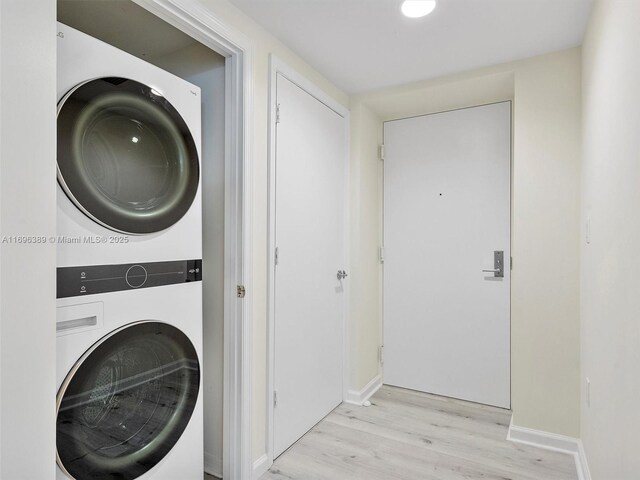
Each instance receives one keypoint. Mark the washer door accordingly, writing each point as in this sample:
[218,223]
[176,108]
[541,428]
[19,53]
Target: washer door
[126,157]
[126,402]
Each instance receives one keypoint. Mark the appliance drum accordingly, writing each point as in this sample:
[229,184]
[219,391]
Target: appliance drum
[126,402]
[126,157]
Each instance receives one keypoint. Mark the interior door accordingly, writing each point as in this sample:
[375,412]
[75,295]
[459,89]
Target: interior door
[447,210]
[308,337]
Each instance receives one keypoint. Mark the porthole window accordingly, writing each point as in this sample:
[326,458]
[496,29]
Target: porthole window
[126,402]
[126,157]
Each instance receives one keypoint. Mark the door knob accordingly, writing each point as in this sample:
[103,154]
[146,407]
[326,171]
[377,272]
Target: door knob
[498,264]
[341,274]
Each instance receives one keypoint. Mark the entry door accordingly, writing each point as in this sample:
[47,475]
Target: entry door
[447,210]
[310,169]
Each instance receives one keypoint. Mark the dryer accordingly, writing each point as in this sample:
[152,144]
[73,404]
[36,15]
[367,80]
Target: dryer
[129,403]
[128,155]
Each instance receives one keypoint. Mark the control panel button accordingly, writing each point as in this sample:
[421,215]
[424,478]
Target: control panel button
[136,276]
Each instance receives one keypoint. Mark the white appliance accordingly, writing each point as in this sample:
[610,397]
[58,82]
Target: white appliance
[129,144]
[129,402]
[129,290]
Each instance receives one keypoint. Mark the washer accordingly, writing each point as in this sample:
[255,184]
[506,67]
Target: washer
[129,403]
[129,145]
[129,247]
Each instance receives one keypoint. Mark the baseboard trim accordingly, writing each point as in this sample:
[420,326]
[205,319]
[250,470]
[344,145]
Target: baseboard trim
[260,467]
[356,397]
[212,465]
[552,441]
[581,463]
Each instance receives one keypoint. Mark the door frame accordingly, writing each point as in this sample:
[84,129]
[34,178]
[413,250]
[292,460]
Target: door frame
[511,102]
[198,22]
[277,66]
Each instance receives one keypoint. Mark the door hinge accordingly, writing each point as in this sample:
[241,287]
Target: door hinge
[381,152]
[277,113]
[276,256]
[381,354]
[275,398]
[381,254]
[240,291]
[510,263]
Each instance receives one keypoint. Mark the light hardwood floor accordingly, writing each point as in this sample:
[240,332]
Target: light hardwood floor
[407,435]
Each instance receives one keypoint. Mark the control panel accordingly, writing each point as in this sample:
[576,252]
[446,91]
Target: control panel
[92,279]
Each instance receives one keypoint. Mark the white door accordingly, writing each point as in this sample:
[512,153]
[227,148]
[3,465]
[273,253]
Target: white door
[309,216]
[447,209]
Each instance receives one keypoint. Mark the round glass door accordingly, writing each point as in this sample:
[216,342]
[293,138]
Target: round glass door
[126,402]
[126,157]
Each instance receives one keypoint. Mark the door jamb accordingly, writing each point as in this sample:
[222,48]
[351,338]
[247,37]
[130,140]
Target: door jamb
[213,32]
[277,66]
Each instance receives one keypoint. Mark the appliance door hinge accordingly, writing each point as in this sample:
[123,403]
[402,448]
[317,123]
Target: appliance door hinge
[277,113]
[240,291]
[275,398]
[381,152]
[276,256]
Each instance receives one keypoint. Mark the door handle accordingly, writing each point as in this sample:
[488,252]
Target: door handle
[342,274]
[498,264]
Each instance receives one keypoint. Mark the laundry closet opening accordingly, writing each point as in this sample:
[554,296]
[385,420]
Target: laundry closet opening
[134,30]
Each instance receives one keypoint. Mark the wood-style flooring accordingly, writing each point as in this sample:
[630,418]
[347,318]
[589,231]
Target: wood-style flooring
[407,435]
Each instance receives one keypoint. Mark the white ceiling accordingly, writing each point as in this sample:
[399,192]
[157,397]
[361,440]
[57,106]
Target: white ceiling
[364,45]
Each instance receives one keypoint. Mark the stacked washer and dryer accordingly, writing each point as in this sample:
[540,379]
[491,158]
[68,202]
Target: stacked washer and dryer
[129,316]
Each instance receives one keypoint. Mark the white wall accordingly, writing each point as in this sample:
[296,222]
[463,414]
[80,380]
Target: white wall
[545,303]
[27,207]
[213,115]
[610,263]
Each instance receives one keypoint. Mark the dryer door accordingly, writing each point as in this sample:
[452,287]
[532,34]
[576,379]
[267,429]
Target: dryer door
[126,402]
[126,157]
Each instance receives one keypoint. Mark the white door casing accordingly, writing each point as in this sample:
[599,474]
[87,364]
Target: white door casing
[447,192]
[308,304]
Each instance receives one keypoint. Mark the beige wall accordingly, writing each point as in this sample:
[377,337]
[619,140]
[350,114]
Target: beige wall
[545,305]
[263,44]
[366,231]
[545,281]
[610,263]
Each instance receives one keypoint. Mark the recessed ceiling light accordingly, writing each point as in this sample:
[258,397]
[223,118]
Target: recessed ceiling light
[417,8]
